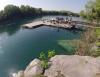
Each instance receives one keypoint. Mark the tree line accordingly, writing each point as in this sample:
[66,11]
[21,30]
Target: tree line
[14,12]
[92,10]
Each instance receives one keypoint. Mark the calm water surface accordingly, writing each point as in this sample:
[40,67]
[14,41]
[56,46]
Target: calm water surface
[19,46]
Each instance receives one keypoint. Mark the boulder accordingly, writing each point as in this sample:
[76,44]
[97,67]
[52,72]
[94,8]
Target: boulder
[34,68]
[74,66]
[19,74]
[64,66]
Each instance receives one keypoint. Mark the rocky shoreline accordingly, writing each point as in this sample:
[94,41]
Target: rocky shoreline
[67,65]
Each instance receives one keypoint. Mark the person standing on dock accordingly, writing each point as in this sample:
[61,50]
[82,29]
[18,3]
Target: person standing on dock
[66,20]
[70,17]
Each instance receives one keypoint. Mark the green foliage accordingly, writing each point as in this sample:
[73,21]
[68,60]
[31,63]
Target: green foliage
[51,53]
[98,32]
[13,12]
[83,14]
[44,64]
[92,10]
[96,53]
[2,16]
[98,44]
[44,59]
[42,56]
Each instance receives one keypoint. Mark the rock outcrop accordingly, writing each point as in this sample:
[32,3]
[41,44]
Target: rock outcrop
[33,69]
[19,74]
[67,65]
[74,66]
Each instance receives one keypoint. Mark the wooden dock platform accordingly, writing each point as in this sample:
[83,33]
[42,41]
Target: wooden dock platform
[46,23]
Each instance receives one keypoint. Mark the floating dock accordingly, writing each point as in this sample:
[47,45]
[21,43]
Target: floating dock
[50,24]
[45,23]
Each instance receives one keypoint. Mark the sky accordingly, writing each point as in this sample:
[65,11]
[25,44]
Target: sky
[69,5]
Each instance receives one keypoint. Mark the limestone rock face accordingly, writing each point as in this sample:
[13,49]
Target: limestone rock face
[64,66]
[33,68]
[74,66]
[19,74]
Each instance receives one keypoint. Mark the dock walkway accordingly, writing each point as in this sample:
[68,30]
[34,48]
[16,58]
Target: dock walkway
[45,23]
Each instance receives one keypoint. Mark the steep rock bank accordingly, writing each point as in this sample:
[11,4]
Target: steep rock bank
[67,65]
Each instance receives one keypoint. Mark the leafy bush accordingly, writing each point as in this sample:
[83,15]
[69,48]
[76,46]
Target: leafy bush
[44,64]
[51,53]
[42,56]
[44,59]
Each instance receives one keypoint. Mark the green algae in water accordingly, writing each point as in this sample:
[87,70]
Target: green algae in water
[69,45]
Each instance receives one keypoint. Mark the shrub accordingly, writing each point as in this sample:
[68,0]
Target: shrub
[42,56]
[44,59]
[51,53]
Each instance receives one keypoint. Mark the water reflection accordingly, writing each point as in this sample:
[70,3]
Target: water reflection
[13,27]
[1,51]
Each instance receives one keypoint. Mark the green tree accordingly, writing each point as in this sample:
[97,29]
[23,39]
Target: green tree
[14,12]
[92,10]
[11,11]
[2,16]
[97,9]
[83,14]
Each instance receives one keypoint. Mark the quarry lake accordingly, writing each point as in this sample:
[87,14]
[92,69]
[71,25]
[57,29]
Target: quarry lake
[19,46]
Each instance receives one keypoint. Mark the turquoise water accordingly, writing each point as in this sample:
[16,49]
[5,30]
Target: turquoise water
[19,46]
